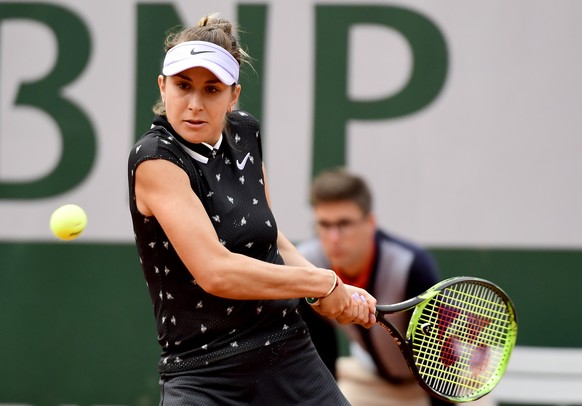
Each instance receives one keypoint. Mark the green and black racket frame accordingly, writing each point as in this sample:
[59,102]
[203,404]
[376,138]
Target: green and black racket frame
[459,338]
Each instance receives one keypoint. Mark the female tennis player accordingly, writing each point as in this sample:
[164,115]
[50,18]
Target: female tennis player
[224,281]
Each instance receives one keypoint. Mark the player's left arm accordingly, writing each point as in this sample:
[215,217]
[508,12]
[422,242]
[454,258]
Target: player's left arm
[292,256]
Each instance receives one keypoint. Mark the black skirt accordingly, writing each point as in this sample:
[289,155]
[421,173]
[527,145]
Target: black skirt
[284,373]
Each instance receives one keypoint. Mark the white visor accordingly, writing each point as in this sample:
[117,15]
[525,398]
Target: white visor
[203,54]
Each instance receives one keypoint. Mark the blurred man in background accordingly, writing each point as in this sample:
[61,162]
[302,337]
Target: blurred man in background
[391,269]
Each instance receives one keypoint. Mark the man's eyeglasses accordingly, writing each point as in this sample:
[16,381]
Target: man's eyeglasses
[342,226]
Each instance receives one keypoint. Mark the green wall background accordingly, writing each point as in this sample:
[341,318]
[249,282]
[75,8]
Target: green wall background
[78,327]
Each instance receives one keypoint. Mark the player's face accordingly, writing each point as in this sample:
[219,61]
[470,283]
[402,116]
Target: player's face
[197,103]
[346,233]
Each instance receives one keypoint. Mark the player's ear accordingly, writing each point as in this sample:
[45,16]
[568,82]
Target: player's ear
[235,95]
[162,87]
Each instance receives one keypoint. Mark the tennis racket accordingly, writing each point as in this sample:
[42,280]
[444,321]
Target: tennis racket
[459,338]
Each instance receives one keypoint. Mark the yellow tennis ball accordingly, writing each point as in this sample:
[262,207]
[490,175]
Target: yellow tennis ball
[68,222]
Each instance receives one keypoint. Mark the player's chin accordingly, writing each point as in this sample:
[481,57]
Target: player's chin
[192,134]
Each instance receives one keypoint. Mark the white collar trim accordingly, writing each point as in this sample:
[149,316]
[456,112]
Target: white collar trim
[199,157]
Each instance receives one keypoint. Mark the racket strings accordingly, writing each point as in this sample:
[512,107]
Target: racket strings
[455,355]
[482,310]
[459,344]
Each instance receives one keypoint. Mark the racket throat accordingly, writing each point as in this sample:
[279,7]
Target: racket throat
[394,333]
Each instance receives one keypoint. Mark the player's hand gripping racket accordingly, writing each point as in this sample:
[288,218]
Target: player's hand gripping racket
[459,339]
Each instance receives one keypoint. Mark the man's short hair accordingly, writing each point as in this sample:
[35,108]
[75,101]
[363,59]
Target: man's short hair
[338,184]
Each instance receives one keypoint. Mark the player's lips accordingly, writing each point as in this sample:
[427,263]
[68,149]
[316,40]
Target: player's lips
[195,123]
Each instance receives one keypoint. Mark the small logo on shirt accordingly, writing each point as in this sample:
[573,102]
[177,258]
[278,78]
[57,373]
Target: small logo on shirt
[241,165]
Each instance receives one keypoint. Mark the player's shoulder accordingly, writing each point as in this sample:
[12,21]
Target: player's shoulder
[157,142]
[240,119]
[157,137]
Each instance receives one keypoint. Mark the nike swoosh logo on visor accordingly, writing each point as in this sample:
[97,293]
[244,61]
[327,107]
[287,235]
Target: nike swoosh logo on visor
[192,52]
[241,165]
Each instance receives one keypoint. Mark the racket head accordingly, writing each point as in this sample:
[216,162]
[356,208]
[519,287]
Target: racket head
[461,338]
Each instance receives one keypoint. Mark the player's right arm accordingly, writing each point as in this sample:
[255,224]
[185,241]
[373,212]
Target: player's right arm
[163,190]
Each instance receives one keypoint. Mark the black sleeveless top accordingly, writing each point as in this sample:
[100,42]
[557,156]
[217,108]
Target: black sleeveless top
[195,328]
